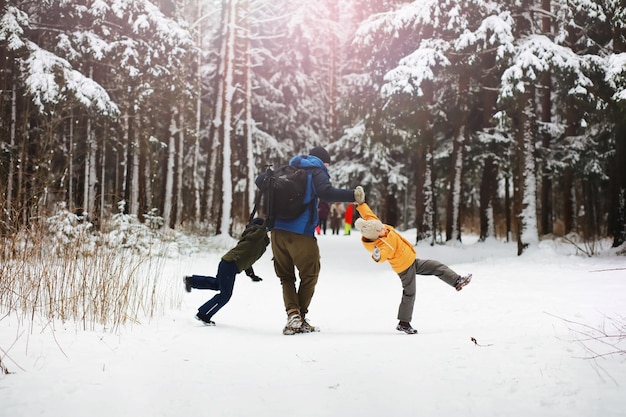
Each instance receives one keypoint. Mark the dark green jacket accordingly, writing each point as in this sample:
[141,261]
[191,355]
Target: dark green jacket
[250,248]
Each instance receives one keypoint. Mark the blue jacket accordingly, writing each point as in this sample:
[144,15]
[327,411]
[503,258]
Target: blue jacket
[318,187]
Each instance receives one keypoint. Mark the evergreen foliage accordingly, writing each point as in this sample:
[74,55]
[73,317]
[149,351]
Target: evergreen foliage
[505,119]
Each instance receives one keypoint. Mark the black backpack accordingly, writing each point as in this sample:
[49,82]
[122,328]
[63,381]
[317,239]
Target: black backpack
[282,194]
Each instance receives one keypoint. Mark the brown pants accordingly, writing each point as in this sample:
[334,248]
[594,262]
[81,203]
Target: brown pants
[293,250]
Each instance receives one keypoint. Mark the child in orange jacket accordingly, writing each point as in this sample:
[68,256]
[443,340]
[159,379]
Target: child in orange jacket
[388,245]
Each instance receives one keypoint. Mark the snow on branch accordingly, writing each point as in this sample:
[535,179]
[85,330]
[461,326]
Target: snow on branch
[410,15]
[537,54]
[616,75]
[493,31]
[592,8]
[50,79]
[414,69]
[145,18]
[99,8]
[12,25]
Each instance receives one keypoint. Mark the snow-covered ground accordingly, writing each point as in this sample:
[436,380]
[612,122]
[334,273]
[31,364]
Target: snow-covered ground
[527,314]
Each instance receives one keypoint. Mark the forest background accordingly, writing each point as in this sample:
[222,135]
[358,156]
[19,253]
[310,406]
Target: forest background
[505,119]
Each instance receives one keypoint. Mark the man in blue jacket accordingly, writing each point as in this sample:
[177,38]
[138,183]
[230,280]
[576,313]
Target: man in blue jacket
[294,244]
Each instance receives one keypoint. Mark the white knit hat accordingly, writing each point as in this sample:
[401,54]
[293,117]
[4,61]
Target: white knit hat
[370,229]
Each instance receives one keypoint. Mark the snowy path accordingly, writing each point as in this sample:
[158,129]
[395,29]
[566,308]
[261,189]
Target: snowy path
[358,365]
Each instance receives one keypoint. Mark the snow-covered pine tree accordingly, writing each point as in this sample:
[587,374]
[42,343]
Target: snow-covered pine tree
[441,42]
[52,85]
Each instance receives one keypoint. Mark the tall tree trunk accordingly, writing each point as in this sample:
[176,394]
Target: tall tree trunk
[226,129]
[453,223]
[618,167]
[21,207]
[86,172]
[419,179]
[618,185]
[241,165]
[145,175]
[102,183]
[134,162]
[333,133]
[525,206]
[179,173]
[195,183]
[390,209]
[430,202]
[70,157]
[131,192]
[91,176]
[120,169]
[213,177]
[508,208]
[488,188]
[546,139]
[169,173]
[591,199]
[489,180]
[126,158]
[249,122]
[425,217]
[11,170]
[569,191]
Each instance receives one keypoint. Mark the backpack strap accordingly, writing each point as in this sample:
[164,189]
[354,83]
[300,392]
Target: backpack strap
[268,184]
[312,206]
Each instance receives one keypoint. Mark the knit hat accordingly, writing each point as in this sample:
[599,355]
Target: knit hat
[321,153]
[370,229]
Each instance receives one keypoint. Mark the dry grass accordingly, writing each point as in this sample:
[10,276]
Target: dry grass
[101,286]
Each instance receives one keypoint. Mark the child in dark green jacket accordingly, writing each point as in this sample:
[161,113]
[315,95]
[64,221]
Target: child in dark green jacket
[249,249]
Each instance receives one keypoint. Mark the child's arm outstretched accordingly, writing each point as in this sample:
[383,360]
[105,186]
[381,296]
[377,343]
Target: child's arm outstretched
[372,229]
[366,212]
[383,241]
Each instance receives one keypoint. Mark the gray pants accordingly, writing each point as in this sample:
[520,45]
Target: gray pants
[421,267]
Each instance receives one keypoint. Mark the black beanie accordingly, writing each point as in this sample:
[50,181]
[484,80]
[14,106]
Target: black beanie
[321,153]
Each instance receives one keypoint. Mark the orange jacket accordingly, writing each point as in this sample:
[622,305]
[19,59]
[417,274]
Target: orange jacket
[393,247]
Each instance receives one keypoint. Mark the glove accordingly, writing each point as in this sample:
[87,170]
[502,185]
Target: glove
[376,254]
[359,195]
[254,277]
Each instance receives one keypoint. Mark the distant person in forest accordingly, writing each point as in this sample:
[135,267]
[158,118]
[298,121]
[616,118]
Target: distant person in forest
[294,245]
[250,247]
[355,215]
[336,217]
[386,244]
[323,209]
[348,217]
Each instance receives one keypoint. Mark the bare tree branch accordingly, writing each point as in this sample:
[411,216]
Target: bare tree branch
[613,341]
